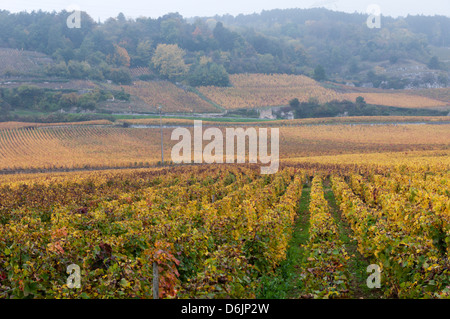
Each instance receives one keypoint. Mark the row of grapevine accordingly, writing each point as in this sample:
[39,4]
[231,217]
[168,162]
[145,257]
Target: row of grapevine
[412,266]
[115,228]
[326,266]
[417,210]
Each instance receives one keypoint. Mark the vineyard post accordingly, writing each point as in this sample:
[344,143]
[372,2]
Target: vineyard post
[155,281]
[160,126]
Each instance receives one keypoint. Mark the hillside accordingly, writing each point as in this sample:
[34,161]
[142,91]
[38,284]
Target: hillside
[216,64]
[15,62]
[258,90]
[405,52]
[174,99]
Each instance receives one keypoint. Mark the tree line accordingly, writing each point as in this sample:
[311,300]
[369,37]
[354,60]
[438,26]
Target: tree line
[204,51]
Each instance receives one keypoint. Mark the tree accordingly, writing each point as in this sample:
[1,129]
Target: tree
[434,63]
[443,79]
[360,101]
[68,100]
[168,61]
[226,38]
[144,52]
[266,63]
[319,73]
[354,67]
[120,76]
[57,69]
[393,59]
[170,31]
[210,73]
[295,103]
[4,107]
[79,70]
[120,58]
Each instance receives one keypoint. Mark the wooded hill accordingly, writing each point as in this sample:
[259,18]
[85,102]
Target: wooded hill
[203,51]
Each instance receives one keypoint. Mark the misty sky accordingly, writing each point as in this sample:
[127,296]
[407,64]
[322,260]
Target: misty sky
[103,9]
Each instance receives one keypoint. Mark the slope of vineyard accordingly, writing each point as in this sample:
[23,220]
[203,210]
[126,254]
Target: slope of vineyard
[399,99]
[259,90]
[172,98]
[17,125]
[442,94]
[19,62]
[348,139]
[217,230]
[409,160]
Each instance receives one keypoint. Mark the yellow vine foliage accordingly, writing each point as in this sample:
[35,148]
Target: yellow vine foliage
[171,97]
[397,100]
[259,90]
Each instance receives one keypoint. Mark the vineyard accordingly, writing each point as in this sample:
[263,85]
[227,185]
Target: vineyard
[171,97]
[295,122]
[399,100]
[207,241]
[259,90]
[200,163]
[139,71]
[22,125]
[73,146]
[401,223]
[14,61]
[217,231]
[442,94]
[79,147]
[247,91]
[346,197]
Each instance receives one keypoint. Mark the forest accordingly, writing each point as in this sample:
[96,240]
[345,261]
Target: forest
[203,51]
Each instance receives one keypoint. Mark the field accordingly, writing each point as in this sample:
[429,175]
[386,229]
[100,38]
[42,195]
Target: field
[172,98]
[223,231]
[189,121]
[259,90]
[77,147]
[17,62]
[247,91]
[399,100]
[346,196]
[105,146]
[442,94]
